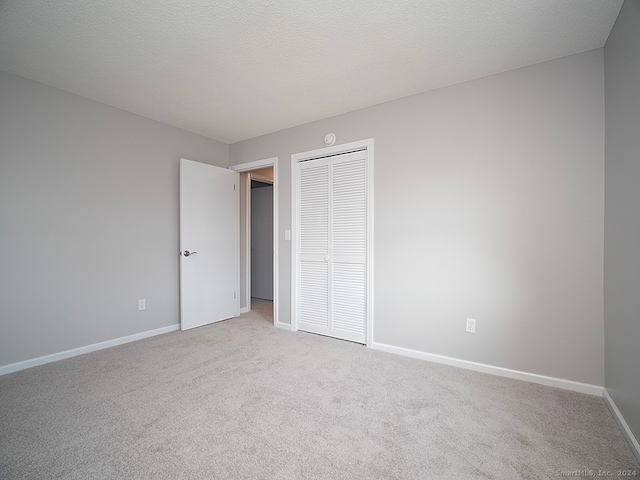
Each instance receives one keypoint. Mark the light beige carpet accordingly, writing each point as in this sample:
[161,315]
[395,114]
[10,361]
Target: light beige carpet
[242,399]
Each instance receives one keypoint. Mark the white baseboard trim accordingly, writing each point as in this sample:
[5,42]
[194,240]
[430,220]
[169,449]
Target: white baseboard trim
[500,371]
[245,310]
[74,352]
[284,326]
[631,438]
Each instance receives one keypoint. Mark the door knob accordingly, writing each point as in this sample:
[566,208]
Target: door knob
[186,253]
[326,258]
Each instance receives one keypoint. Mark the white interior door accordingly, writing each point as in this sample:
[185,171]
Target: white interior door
[208,244]
[332,246]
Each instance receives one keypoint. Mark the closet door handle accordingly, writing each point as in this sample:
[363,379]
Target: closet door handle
[186,253]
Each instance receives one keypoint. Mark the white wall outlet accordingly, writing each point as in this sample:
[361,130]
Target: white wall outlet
[142,304]
[471,325]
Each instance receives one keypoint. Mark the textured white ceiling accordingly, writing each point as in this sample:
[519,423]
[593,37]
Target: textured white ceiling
[236,69]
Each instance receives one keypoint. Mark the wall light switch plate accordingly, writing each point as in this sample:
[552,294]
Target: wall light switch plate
[471,325]
[287,234]
[142,304]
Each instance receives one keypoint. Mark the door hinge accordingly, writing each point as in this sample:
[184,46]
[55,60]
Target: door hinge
[234,187]
[234,295]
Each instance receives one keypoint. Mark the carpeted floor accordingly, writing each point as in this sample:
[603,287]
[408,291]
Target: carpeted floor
[242,399]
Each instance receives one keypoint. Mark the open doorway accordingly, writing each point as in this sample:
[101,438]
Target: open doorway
[260,261]
[258,265]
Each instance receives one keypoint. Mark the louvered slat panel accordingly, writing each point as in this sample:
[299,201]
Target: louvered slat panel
[314,282]
[349,213]
[349,301]
[332,248]
[314,210]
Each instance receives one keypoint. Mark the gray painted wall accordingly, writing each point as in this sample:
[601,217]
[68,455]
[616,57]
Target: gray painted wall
[262,242]
[88,219]
[488,205]
[622,215]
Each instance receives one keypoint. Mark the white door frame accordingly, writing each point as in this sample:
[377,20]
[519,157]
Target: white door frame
[247,167]
[295,228]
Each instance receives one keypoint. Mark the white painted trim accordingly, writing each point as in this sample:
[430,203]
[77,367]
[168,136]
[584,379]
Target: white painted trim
[244,310]
[260,178]
[631,438]
[334,150]
[54,357]
[276,236]
[493,370]
[246,167]
[295,239]
[284,326]
[236,183]
[370,238]
[294,306]
[247,240]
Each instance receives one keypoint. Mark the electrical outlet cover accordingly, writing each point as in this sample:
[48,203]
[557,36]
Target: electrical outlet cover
[471,325]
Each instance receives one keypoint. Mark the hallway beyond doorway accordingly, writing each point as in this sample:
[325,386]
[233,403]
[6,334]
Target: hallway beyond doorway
[262,309]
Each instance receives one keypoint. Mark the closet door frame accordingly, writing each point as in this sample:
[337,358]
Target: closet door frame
[295,227]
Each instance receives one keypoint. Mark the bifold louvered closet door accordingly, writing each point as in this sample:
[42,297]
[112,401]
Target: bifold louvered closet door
[332,270]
